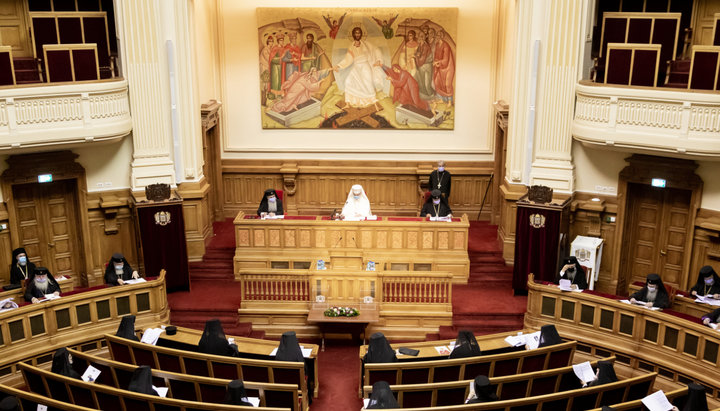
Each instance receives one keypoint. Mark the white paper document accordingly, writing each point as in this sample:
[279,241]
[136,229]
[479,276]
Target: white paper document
[707,300]
[446,219]
[162,391]
[640,304]
[51,297]
[275,217]
[515,340]
[61,278]
[255,401]
[532,340]
[135,281]
[714,326]
[443,350]
[365,402]
[91,374]
[657,401]
[151,335]
[584,371]
[41,407]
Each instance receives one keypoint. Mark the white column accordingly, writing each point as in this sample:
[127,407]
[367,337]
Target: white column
[560,65]
[144,63]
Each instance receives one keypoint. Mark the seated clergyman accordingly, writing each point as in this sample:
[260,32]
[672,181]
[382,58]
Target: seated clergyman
[573,271]
[270,205]
[653,294]
[41,283]
[708,283]
[118,270]
[436,206]
[357,205]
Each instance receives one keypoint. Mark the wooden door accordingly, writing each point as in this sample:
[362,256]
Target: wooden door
[658,230]
[48,225]
[14,29]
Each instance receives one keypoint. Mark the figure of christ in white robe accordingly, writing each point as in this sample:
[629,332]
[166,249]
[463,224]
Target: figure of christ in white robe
[356,208]
[365,76]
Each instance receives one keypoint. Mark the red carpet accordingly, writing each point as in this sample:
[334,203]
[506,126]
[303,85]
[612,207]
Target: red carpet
[485,305]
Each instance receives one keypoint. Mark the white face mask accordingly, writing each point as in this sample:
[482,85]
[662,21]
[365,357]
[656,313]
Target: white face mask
[441,169]
[271,199]
[651,287]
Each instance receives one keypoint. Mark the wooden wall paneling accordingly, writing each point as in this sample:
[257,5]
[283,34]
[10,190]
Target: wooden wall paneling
[112,230]
[706,244]
[198,217]
[317,187]
[509,194]
[5,244]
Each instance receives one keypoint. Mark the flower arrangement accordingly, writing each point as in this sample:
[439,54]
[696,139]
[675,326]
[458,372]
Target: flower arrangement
[342,312]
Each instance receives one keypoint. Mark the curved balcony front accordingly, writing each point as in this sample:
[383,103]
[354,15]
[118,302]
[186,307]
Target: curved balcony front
[64,115]
[669,122]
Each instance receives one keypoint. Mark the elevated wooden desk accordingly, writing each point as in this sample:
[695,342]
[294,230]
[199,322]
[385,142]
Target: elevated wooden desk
[404,243]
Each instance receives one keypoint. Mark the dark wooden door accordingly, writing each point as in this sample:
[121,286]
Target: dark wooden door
[657,231]
[49,226]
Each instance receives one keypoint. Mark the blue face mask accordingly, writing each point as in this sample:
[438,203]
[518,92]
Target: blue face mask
[41,279]
[271,199]
[356,197]
[436,201]
[22,260]
[441,169]
[709,281]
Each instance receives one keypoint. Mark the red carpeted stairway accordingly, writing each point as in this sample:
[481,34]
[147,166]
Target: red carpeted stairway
[486,304]
[214,291]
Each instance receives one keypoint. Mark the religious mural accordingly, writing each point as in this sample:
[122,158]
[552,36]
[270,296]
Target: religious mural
[357,68]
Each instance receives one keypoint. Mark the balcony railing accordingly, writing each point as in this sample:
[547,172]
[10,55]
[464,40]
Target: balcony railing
[64,114]
[648,119]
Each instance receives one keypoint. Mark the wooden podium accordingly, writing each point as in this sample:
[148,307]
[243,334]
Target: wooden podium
[162,237]
[541,240]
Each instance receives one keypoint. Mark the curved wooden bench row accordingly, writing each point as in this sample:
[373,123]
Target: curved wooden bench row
[103,397]
[30,400]
[188,338]
[496,365]
[207,365]
[572,400]
[676,398]
[186,387]
[675,345]
[35,329]
[508,387]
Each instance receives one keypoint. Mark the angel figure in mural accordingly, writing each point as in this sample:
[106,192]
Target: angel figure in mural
[386,26]
[334,24]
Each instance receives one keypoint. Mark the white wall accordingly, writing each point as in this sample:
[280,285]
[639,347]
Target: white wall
[244,138]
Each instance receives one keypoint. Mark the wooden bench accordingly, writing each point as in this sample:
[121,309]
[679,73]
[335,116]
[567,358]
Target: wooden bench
[572,400]
[186,387]
[705,68]
[30,400]
[71,62]
[496,365]
[676,397]
[108,398]
[508,387]
[207,365]
[632,64]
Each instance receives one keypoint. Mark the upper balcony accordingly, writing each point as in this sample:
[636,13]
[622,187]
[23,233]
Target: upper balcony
[646,119]
[63,114]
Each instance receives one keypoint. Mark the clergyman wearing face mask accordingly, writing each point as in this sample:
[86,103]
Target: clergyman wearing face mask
[20,267]
[118,270]
[653,294]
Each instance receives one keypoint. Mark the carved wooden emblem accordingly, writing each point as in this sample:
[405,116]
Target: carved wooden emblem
[162,218]
[537,220]
[540,194]
[583,254]
[157,192]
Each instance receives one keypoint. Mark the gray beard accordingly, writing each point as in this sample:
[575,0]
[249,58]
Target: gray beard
[571,275]
[651,295]
[42,286]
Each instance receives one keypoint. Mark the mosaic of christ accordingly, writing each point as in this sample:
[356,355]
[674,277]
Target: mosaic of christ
[357,68]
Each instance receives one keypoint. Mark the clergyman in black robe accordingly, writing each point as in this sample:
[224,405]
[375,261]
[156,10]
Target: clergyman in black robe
[573,271]
[382,397]
[440,179]
[605,374]
[118,270]
[548,336]
[696,399]
[62,364]
[379,350]
[41,282]
[465,345]
[708,283]
[21,268]
[712,317]
[270,204]
[653,294]
[236,394]
[126,329]
[141,381]
[482,391]
[213,340]
[436,206]
[289,348]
